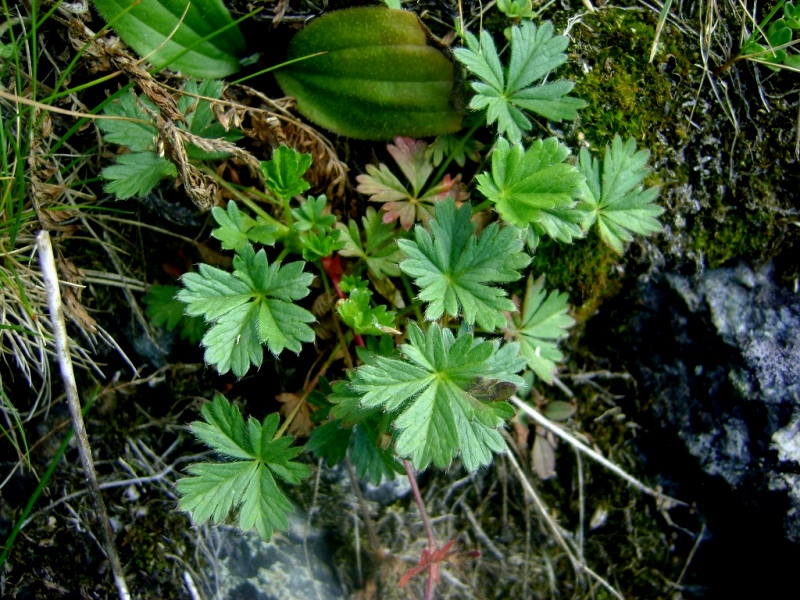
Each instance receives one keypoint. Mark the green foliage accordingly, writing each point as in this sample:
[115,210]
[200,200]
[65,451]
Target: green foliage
[376,77]
[138,136]
[516,9]
[284,172]
[454,268]
[791,14]
[137,173]
[777,35]
[358,313]
[237,229]
[379,249]
[318,237]
[438,418]
[381,185]
[252,306]
[363,436]
[544,321]
[506,93]
[246,479]
[535,189]
[200,119]
[620,205]
[204,42]
[311,216]
[165,310]
[456,148]
[443,394]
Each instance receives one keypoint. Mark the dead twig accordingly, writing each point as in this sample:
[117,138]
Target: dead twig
[50,278]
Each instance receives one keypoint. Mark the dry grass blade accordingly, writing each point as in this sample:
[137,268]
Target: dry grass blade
[577,564]
[664,500]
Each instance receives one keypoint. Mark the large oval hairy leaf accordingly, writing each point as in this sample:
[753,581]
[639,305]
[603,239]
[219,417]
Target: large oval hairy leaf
[146,26]
[378,78]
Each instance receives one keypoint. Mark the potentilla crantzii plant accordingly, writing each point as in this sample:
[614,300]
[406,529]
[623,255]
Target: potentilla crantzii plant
[433,368]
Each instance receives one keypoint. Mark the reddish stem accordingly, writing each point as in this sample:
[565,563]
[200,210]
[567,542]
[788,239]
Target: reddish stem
[433,569]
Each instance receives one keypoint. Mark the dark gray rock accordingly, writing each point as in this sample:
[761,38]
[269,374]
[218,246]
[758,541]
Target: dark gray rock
[717,358]
[760,322]
[294,566]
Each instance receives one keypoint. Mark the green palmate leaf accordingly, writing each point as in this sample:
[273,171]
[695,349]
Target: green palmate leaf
[381,185]
[252,306]
[544,320]
[535,188]
[136,174]
[319,239]
[165,310]
[370,74]
[455,269]
[506,93]
[248,481]
[136,135]
[620,204]
[236,229]
[379,249]
[204,43]
[438,417]
[284,173]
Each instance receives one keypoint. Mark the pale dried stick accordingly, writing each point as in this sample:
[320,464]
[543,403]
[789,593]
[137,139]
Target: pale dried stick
[50,279]
[664,500]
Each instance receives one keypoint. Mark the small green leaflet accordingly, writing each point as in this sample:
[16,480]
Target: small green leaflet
[136,174]
[438,416]
[535,188]
[318,237]
[516,9]
[544,320]
[505,93]
[311,216]
[246,479]
[621,205]
[165,310]
[363,318]
[236,229]
[454,268]
[201,120]
[379,249]
[252,306]
[457,148]
[284,173]
[139,137]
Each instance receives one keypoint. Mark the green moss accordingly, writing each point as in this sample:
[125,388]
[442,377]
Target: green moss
[585,270]
[741,235]
[626,95]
